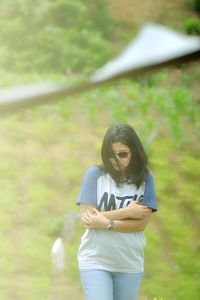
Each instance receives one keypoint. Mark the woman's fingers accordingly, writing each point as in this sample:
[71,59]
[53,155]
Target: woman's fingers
[88,226]
[86,217]
[145,210]
[95,211]
[137,210]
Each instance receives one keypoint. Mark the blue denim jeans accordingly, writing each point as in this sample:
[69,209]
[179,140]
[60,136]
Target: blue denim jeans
[104,285]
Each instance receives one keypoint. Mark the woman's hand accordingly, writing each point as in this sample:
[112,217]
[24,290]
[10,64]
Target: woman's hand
[136,211]
[94,219]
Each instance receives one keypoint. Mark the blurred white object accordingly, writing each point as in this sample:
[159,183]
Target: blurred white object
[153,45]
[58,255]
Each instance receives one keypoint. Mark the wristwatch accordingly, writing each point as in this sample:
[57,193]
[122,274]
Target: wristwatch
[111,225]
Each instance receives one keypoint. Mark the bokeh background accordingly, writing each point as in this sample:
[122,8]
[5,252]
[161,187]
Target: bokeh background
[45,151]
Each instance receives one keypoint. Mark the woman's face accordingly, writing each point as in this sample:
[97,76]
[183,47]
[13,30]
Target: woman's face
[122,154]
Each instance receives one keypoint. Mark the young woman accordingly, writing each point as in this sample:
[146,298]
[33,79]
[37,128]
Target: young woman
[116,201]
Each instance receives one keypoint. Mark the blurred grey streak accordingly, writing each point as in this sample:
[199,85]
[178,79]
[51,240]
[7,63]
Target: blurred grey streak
[153,48]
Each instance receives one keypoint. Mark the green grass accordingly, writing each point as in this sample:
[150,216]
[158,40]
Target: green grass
[44,154]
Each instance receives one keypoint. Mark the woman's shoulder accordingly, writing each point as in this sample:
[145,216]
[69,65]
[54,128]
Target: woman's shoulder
[149,176]
[94,170]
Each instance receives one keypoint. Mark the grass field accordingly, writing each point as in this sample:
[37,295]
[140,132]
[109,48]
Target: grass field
[44,154]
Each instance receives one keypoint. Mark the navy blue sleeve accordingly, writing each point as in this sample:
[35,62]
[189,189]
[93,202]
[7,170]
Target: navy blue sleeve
[149,193]
[88,191]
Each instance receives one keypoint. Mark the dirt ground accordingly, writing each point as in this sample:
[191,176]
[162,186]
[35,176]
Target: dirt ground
[139,12]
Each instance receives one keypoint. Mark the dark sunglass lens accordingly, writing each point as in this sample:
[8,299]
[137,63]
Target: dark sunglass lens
[123,154]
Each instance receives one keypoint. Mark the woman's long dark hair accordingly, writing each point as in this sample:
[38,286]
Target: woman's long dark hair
[137,168]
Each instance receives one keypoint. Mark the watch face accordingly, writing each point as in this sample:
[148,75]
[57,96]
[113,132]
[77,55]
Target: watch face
[109,228]
[110,225]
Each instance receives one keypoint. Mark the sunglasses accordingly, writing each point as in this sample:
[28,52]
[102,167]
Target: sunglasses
[120,155]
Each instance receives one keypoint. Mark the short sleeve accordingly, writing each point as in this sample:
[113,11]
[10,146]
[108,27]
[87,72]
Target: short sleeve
[149,193]
[88,191]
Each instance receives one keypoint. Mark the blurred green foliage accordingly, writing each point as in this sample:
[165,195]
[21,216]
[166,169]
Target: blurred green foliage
[59,36]
[196,5]
[192,25]
[42,177]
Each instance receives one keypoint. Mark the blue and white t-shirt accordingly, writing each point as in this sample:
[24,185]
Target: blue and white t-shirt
[111,250]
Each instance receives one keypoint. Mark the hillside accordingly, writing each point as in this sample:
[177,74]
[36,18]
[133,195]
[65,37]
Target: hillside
[131,15]
[45,152]
[136,13]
